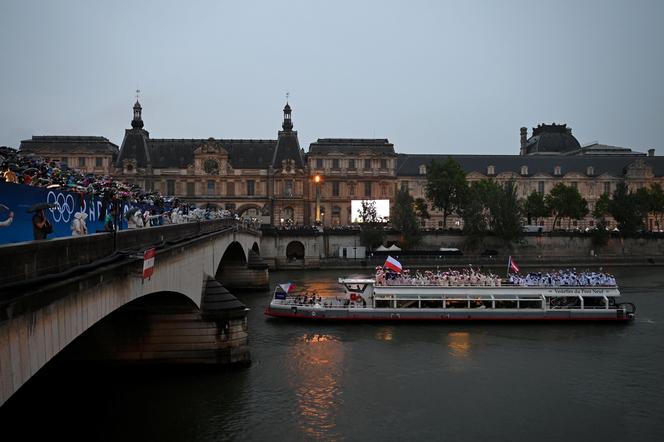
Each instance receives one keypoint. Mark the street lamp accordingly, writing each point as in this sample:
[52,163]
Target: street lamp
[317,180]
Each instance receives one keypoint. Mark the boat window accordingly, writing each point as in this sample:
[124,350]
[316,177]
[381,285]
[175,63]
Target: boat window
[528,303]
[594,301]
[383,303]
[407,303]
[456,303]
[500,303]
[432,303]
[355,287]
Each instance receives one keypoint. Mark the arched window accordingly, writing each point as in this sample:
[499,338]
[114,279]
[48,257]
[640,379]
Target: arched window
[491,170]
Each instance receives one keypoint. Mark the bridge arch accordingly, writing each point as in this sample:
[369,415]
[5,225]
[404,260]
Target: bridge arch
[295,251]
[249,210]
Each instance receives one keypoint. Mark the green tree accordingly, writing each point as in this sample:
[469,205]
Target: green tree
[372,233]
[565,202]
[657,204]
[446,186]
[404,219]
[506,214]
[476,211]
[627,209]
[600,236]
[535,207]
[422,209]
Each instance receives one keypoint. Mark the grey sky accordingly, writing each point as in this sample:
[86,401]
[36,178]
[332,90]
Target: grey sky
[432,76]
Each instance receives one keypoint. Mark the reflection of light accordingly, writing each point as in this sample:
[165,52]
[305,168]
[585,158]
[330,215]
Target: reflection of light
[385,334]
[317,178]
[459,344]
[316,362]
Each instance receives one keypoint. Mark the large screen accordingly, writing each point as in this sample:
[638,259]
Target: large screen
[382,210]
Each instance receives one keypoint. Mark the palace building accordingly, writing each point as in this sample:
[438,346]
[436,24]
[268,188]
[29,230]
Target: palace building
[277,181]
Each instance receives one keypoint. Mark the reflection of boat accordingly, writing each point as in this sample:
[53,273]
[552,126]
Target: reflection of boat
[363,299]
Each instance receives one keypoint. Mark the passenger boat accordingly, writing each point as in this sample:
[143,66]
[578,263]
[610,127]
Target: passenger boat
[488,299]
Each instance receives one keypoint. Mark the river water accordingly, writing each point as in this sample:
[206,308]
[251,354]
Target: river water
[452,382]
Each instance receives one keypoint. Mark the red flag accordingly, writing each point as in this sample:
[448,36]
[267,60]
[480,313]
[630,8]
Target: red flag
[511,266]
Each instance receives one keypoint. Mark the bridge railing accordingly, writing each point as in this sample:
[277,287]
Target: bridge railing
[34,259]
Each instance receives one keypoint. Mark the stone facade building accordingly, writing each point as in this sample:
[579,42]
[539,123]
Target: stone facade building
[88,154]
[276,181]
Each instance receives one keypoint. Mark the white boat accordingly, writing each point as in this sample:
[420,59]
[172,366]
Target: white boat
[364,300]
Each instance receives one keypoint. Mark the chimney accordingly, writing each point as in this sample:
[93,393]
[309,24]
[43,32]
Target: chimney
[524,140]
[651,152]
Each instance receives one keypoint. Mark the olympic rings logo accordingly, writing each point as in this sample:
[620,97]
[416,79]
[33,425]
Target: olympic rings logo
[64,206]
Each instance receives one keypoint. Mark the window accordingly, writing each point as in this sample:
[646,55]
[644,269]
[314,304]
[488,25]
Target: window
[210,187]
[404,185]
[590,171]
[230,188]
[191,189]
[557,170]
[251,187]
[524,170]
[170,187]
[423,169]
[367,164]
[607,188]
[491,170]
[575,184]
[383,163]
[99,162]
[81,161]
[288,188]
[351,164]
[335,163]
[367,189]
[335,188]
[351,189]
[319,163]
[540,187]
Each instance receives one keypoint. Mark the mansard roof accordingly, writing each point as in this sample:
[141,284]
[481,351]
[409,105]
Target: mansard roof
[615,165]
[68,145]
[166,153]
[352,146]
[287,148]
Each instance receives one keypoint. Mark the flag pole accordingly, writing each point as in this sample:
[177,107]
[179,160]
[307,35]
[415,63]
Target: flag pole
[509,260]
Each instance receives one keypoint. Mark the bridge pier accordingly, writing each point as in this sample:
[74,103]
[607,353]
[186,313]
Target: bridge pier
[166,331]
[252,276]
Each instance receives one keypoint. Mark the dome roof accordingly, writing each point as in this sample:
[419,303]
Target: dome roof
[551,139]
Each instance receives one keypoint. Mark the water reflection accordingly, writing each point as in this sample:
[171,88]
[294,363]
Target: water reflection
[459,344]
[316,361]
[385,334]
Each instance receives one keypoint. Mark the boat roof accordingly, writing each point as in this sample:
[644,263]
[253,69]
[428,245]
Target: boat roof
[356,281]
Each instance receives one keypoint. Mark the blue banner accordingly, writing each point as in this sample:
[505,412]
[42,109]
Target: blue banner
[18,198]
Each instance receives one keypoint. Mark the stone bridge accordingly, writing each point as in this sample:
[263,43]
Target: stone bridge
[53,292]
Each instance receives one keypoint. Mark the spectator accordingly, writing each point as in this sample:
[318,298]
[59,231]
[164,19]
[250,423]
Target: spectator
[40,225]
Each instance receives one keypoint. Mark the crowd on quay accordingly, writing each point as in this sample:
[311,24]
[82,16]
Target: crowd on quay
[563,278]
[464,277]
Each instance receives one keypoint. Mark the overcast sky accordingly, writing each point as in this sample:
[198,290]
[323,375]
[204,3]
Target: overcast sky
[431,76]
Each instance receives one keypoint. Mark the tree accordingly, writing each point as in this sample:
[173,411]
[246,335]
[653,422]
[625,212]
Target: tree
[627,209]
[534,207]
[657,204]
[506,214]
[565,202]
[422,209]
[404,219]
[372,233]
[446,186]
[476,210]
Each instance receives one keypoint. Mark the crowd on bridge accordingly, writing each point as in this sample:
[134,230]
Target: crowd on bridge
[36,171]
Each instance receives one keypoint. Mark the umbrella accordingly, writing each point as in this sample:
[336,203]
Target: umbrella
[131,212]
[41,206]
[3,207]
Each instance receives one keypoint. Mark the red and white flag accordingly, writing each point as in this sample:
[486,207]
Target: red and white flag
[148,262]
[392,264]
[511,266]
